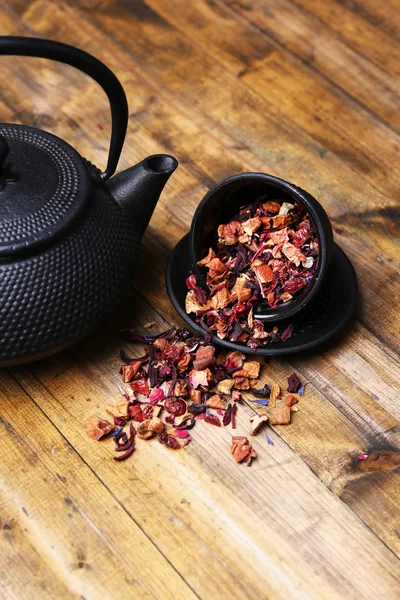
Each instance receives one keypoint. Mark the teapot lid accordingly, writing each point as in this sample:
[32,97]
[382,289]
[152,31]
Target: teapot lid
[44,186]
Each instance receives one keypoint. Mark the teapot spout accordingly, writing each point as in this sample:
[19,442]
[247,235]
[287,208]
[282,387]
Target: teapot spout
[138,189]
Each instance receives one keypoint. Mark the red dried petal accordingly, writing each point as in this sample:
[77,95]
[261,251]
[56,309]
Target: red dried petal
[169,440]
[141,386]
[213,420]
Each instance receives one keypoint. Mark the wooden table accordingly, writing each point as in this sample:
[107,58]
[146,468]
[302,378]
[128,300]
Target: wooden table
[303,89]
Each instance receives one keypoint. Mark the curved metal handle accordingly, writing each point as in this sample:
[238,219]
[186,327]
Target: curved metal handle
[42,48]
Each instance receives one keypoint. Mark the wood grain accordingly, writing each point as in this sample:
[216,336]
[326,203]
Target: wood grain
[299,88]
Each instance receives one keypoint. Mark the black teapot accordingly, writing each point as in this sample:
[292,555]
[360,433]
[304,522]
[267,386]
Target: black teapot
[69,235]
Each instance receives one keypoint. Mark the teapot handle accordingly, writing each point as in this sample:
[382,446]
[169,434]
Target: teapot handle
[42,48]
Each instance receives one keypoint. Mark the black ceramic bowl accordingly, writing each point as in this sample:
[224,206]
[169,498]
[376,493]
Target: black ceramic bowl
[227,197]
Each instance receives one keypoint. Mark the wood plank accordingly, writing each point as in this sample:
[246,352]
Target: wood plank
[322,51]
[72,525]
[357,31]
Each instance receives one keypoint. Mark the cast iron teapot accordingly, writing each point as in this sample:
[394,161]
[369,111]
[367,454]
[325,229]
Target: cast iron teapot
[69,235]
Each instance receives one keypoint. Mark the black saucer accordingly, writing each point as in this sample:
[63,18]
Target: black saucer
[321,319]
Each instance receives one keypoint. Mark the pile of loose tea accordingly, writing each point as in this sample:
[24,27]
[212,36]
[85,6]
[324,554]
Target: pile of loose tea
[265,255]
[181,380]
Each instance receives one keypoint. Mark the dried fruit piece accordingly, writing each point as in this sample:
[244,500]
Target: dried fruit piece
[256,421]
[195,396]
[197,409]
[149,411]
[97,428]
[290,400]
[129,371]
[242,450]
[252,368]
[280,415]
[225,386]
[175,407]
[180,388]
[135,412]
[149,428]
[205,357]
[263,392]
[215,402]
[241,383]
[118,408]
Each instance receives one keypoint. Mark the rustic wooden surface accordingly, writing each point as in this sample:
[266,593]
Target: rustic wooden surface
[303,89]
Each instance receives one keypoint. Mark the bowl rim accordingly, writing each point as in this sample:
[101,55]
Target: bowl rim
[316,214]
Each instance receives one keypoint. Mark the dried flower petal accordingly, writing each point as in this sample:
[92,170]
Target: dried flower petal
[169,440]
[263,392]
[293,383]
[212,419]
[236,396]
[156,395]
[200,378]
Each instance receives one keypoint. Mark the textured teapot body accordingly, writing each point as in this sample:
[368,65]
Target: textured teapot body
[61,292]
